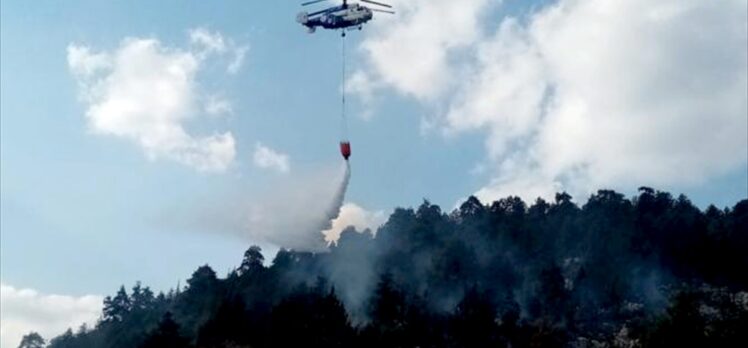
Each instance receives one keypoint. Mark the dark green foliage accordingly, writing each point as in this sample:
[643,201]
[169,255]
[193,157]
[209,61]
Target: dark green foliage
[474,321]
[552,299]
[117,308]
[387,309]
[252,262]
[166,335]
[683,326]
[226,327]
[652,271]
[310,318]
[702,318]
[198,303]
[66,340]
[32,340]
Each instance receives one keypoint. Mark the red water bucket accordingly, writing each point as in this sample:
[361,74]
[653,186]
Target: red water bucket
[345,149]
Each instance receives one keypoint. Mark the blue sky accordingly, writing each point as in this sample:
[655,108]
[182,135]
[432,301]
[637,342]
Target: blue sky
[75,204]
[452,99]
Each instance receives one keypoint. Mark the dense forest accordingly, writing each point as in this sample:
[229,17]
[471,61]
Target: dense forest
[649,271]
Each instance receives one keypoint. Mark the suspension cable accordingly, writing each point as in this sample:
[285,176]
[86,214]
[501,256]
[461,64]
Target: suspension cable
[344,125]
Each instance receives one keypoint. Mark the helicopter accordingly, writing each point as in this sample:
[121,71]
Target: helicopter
[345,16]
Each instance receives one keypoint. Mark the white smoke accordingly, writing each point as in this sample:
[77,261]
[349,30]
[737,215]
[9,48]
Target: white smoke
[337,202]
[295,219]
[356,216]
[291,213]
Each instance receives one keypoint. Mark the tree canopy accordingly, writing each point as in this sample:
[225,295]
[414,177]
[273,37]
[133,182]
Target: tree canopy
[649,271]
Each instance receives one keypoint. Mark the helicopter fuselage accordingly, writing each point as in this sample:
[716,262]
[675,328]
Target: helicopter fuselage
[337,18]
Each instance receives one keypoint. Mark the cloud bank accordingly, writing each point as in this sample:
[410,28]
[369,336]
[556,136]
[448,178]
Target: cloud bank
[146,92]
[580,94]
[25,310]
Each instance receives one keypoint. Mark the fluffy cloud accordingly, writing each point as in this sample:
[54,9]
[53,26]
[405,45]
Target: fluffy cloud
[25,310]
[206,43]
[267,158]
[412,51]
[353,215]
[217,106]
[238,60]
[584,94]
[145,92]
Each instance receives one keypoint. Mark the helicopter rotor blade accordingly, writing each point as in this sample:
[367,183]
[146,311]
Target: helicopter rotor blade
[327,10]
[312,2]
[376,3]
[320,12]
[382,11]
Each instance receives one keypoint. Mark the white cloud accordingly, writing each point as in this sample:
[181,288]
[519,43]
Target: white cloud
[267,158]
[352,214]
[412,50]
[238,60]
[217,106]
[585,94]
[361,85]
[206,43]
[146,92]
[25,310]
[84,63]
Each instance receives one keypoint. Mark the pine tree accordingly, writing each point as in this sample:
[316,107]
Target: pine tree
[32,340]
[115,309]
[166,335]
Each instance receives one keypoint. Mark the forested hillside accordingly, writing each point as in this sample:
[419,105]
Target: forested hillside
[649,271]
